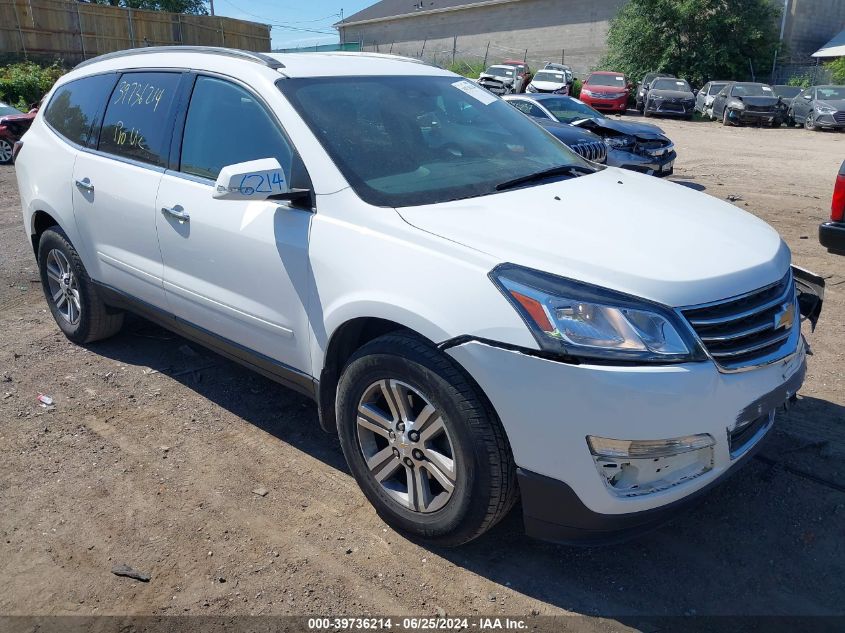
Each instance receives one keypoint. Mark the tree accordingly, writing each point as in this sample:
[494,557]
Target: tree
[698,40]
[837,70]
[192,7]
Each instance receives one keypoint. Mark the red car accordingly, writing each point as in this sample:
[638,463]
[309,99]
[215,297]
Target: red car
[607,91]
[832,234]
[13,125]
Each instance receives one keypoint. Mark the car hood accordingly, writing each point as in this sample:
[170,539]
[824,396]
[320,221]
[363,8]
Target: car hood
[548,85]
[671,94]
[647,237]
[569,134]
[623,127]
[758,101]
[838,104]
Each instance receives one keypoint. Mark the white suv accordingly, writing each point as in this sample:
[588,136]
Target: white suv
[415,254]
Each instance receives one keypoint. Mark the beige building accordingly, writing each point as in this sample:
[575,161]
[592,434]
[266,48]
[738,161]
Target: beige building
[574,31]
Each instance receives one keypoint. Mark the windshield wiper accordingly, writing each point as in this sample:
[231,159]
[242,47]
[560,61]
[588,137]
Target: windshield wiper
[560,170]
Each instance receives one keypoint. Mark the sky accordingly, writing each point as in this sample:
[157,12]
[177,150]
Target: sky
[295,22]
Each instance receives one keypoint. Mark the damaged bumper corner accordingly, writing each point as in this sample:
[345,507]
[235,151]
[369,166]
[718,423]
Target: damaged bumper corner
[810,289]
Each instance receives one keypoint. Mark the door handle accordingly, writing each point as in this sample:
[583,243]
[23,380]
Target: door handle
[177,212]
[85,185]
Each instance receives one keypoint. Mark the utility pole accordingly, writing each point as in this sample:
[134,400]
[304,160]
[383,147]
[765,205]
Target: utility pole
[211,2]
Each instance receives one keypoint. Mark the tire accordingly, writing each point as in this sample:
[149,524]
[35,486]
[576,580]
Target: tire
[646,113]
[5,152]
[725,120]
[809,123]
[790,120]
[482,469]
[79,311]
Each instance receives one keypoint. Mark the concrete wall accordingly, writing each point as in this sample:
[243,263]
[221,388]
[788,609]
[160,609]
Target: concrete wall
[810,24]
[548,29]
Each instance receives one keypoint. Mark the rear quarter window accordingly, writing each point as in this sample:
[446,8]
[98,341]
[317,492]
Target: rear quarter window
[75,107]
[138,119]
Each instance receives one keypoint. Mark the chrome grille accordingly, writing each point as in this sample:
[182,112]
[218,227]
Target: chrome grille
[595,151]
[750,329]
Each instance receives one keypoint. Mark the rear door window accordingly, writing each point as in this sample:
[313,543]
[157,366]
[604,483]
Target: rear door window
[75,107]
[138,119]
[227,125]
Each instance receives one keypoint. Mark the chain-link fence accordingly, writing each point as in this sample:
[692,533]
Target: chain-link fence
[798,73]
[471,57]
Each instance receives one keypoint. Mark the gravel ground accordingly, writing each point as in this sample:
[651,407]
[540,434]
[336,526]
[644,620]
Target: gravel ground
[152,452]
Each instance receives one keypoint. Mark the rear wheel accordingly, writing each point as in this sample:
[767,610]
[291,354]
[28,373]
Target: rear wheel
[5,151]
[72,297]
[421,441]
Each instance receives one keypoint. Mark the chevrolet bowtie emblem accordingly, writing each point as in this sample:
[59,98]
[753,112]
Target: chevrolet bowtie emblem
[786,317]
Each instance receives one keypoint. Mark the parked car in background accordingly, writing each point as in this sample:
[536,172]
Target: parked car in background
[515,323]
[819,108]
[523,71]
[606,91]
[553,81]
[669,97]
[570,76]
[704,97]
[587,144]
[501,80]
[631,145]
[8,133]
[643,87]
[832,233]
[786,93]
[746,102]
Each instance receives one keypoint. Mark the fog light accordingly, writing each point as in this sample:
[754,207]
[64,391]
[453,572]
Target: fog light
[639,467]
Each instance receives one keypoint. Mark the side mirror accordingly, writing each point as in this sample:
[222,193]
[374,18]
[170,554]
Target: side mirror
[808,97]
[253,180]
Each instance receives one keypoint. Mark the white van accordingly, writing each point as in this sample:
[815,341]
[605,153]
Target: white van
[429,265]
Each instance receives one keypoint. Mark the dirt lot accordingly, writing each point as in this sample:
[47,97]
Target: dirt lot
[151,454]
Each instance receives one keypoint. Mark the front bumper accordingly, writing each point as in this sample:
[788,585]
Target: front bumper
[829,122]
[753,116]
[664,108]
[619,104]
[832,237]
[548,408]
[652,165]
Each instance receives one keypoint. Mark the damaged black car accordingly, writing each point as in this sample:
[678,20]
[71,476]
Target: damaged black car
[641,147]
[669,97]
[746,102]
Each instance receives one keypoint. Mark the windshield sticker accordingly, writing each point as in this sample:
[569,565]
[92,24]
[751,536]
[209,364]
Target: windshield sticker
[620,79]
[766,88]
[475,91]
[679,83]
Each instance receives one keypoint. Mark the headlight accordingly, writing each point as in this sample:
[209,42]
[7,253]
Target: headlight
[531,88]
[737,105]
[586,92]
[823,109]
[576,319]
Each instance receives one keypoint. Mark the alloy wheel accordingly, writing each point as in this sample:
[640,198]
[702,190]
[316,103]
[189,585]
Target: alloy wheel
[64,290]
[406,446]
[5,151]
[809,122]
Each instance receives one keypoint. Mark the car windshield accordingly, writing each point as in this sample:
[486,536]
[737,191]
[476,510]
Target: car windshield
[751,90]
[412,140]
[567,109]
[606,80]
[671,84]
[544,75]
[831,93]
[500,71]
[788,92]
[716,88]
[7,109]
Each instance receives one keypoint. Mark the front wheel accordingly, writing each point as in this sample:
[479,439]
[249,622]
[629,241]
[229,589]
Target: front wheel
[72,297]
[810,122]
[726,120]
[422,442]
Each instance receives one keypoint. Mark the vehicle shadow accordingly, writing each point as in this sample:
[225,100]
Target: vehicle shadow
[768,541]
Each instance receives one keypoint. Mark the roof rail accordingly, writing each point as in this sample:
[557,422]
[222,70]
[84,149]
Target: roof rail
[259,58]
